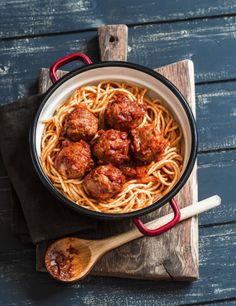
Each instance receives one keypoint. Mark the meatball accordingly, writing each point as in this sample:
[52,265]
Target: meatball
[80,124]
[111,146]
[124,114]
[74,159]
[104,182]
[147,144]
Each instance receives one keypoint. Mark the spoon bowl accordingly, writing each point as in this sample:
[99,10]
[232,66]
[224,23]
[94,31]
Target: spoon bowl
[69,259]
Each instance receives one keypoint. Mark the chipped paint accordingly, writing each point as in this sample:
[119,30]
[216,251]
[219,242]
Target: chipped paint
[78,6]
[3,70]
[233,112]
[206,98]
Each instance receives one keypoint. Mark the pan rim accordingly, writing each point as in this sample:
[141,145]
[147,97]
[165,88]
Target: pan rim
[99,215]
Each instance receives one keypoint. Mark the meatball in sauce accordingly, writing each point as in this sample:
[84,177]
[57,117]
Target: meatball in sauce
[124,114]
[104,182]
[111,146]
[147,144]
[74,160]
[80,124]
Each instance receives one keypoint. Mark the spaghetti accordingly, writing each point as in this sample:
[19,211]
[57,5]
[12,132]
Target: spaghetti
[138,193]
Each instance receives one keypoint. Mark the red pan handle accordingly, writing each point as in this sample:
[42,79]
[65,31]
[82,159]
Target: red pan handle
[65,60]
[148,232]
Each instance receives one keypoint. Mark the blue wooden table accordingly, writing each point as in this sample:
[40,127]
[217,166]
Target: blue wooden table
[34,34]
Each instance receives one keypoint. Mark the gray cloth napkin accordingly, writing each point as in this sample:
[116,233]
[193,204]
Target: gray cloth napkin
[46,218]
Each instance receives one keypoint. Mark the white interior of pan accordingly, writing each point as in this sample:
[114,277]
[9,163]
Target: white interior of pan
[156,89]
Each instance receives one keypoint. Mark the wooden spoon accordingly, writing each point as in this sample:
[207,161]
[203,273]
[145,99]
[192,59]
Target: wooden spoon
[70,259]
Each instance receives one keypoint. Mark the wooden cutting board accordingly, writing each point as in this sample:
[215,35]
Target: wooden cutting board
[173,255]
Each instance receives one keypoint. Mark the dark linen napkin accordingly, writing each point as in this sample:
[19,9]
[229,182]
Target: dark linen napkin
[46,218]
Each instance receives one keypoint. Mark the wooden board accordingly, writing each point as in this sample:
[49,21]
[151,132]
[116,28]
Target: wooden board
[174,255]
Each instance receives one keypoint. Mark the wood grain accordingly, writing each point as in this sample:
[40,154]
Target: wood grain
[90,14]
[113,42]
[44,80]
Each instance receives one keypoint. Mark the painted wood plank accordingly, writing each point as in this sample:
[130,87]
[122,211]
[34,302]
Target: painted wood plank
[217,174]
[195,40]
[24,17]
[19,76]
[216,116]
[21,59]
[20,284]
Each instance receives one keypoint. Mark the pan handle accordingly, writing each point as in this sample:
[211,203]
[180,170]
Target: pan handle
[65,60]
[148,232]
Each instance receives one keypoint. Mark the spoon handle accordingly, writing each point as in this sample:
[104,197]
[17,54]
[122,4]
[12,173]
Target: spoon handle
[187,212]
